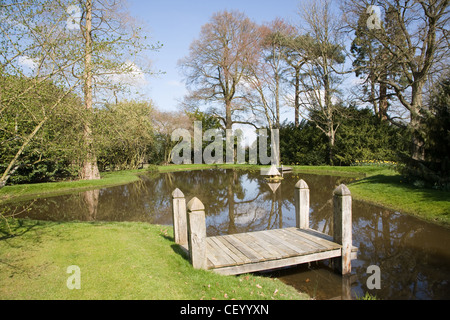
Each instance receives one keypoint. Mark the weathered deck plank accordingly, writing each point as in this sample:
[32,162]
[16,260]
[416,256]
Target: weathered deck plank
[268,249]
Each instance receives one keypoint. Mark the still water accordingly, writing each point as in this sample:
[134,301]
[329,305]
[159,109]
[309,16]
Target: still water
[413,256]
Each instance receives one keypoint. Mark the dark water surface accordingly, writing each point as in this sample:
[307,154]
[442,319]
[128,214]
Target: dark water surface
[413,256]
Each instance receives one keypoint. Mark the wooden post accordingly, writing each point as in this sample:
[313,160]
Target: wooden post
[342,227]
[196,233]
[179,217]
[301,198]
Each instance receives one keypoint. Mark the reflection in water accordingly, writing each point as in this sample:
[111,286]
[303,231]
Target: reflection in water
[413,256]
[91,200]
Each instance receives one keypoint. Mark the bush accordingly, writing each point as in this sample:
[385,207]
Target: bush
[361,137]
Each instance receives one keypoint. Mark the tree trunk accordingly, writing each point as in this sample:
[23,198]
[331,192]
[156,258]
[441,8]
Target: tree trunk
[417,140]
[331,142]
[229,123]
[89,170]
[383,104]
[297,97]
[231,153]
[329,110]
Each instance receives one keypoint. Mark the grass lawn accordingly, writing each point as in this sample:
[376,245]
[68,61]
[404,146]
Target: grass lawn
[387,188]
[117,261]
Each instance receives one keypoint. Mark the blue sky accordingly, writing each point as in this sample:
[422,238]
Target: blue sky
[176,23]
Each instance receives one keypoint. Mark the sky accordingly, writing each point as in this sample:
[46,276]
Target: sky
[176,23]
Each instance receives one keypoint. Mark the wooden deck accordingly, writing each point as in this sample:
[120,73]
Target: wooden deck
[269,249]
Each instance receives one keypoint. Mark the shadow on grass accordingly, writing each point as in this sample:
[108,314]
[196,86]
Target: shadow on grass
[175,247]
[180,251]
[16,228]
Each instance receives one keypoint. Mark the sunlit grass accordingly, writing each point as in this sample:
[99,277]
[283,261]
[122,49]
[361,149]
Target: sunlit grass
[117,261]
[381,185]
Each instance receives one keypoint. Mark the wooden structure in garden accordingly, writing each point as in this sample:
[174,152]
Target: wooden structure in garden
[268,249]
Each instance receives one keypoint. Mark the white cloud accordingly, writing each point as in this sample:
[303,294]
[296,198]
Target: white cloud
[27,62]
[133,76]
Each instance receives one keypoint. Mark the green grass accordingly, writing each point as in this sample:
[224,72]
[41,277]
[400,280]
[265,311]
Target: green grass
[387,188]
[391,191]
[24,191]
[108,179]
[117,261]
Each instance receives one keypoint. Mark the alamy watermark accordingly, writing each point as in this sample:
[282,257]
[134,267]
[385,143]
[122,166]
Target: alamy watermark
[213,153]
[74,280]
[374,20]
[374,281]
[73,21]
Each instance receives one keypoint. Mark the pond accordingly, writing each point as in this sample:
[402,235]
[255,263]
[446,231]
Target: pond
[413,256]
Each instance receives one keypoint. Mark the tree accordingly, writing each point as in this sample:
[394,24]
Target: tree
[419,47]
[165,123]
[111,43]
[218,61]
[263,81]
[434,170]
[89,168]
[85,52]
[296,48]
[27,49]
[320,79]
[437,145]
[366,52]
[124,134]
[49,154]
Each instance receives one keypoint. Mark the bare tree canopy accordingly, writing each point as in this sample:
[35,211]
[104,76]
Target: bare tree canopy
[218,61]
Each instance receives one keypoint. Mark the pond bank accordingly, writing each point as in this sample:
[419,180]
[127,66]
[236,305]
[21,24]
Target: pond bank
[377,185]
[387,188]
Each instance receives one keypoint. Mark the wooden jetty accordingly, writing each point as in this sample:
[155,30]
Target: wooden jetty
[284,169]
[268,249]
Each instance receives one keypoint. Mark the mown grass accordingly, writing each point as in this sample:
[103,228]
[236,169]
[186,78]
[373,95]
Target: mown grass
[386,187]
[391,191]
[117,261]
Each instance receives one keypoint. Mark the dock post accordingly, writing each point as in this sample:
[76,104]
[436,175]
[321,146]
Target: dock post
[179,217]
[342,227]
[196,233]
[301,198]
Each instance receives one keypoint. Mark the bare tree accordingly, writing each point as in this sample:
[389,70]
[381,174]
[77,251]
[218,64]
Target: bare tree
[263,83]
[320,79]
[218,61]
[167,122]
